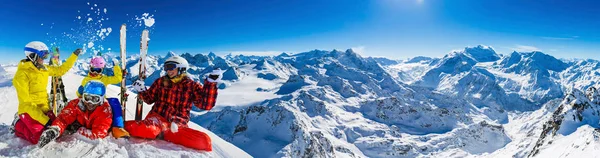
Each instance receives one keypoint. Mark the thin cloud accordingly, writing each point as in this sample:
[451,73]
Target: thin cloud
[523,48]
[360,50]
[561,38]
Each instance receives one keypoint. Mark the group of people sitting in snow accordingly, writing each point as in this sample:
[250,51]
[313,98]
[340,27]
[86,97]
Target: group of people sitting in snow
[95,116]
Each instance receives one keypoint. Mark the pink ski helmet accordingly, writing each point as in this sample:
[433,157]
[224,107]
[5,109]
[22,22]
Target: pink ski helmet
[97,62]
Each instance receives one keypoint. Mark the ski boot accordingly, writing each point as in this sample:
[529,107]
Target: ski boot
[120,133]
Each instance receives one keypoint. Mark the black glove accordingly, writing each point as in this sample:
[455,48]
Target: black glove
[12,126]
[77,51]
[48,135]
[214,77]
[72,128]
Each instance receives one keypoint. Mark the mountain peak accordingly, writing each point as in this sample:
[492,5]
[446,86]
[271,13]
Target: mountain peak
[350,51]
[482,53]
[170,54]
[418,59]
[483,47]
[535,60]
[212,55]
[283,55]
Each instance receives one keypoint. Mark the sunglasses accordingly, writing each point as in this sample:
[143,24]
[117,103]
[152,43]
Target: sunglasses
[170,66]
[96,70]
[92,99]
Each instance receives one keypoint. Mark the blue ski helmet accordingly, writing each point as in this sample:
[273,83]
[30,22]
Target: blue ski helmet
[94,87]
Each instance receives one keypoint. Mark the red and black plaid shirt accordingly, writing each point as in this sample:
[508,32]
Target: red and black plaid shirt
[173,101]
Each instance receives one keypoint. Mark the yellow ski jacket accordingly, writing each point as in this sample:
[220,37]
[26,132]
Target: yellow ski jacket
[31,83]
[103,78]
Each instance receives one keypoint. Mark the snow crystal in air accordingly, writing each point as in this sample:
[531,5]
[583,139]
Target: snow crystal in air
[147,18]
[90,44]
[149,22]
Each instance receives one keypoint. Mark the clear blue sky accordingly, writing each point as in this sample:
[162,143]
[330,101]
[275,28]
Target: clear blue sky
[391,28]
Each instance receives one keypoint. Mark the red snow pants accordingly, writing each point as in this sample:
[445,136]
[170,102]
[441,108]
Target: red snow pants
[30,129]
[154,124]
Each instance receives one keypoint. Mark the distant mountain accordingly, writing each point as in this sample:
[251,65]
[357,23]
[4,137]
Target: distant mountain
[384,61]
[482,53]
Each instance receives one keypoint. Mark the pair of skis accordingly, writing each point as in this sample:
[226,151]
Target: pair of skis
[58,99]
[141,75]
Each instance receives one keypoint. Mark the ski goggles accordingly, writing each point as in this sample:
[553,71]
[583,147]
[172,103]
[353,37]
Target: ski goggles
[42,54]
[92,98]
[170,66]
[96,70]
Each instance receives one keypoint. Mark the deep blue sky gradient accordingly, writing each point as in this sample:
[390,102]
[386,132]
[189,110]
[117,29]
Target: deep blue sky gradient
[391,28]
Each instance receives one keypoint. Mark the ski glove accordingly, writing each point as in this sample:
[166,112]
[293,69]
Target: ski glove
[72,128]
[77,51]
[215,76]
[14,123]
[115,62]
[139,86]
[48,135]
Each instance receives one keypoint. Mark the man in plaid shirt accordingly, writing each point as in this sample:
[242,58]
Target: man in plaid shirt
[173,96]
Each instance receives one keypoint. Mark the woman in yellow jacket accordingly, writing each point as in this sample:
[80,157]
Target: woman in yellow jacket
[97,65]
[31,81]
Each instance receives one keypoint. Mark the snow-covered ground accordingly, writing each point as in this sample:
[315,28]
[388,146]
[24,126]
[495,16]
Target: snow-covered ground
[250,90]
[79,146]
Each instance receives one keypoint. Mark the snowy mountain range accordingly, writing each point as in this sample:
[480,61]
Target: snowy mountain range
[468,103]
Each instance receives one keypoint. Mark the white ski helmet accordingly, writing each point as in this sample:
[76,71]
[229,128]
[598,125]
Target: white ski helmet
[180,62]
[36,49]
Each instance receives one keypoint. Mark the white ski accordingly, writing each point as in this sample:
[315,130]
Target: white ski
[142,74]
[123,68]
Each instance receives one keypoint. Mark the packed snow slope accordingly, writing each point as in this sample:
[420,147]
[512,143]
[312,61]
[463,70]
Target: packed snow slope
[79,146]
